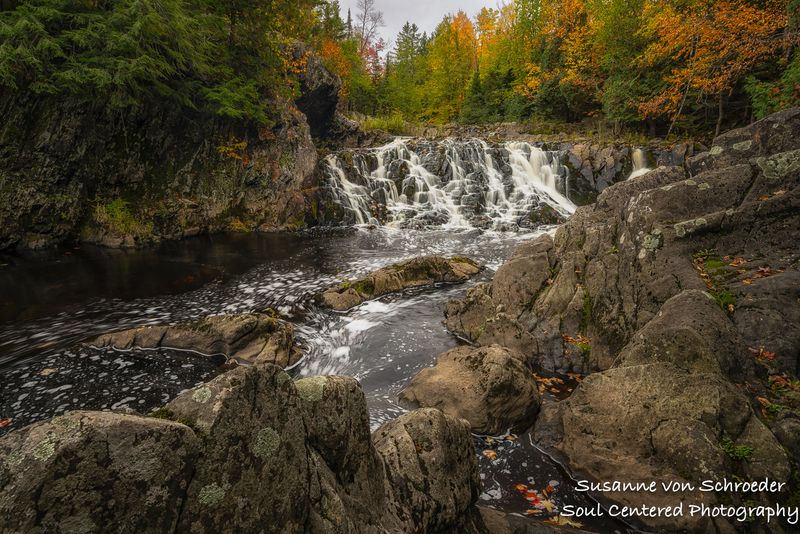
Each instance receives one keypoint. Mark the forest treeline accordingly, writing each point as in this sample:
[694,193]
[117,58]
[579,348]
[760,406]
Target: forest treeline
[688,66]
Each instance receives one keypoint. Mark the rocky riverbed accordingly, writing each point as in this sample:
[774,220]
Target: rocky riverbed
[652,337]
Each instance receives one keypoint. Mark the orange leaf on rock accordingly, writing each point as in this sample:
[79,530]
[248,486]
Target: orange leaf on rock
[490,454]
[5,422]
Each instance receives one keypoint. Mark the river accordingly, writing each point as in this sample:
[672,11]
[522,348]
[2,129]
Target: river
[55,301]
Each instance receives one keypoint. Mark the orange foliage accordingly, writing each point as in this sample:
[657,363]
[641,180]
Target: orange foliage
[713,45]
[335,59]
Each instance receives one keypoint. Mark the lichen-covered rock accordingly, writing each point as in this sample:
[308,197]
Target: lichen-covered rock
[339,433]
[674,285]
[658,422]
[431,468]
[616,263]
[417,272]
[95,472]
[248,452]
[250,338]
[491,387]
[254,430]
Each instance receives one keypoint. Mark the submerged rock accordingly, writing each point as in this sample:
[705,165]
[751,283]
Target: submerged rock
[417,272]
[251,338]
[491,387]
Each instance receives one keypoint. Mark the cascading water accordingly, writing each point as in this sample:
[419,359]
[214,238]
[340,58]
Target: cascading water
[639,163]
[411,183]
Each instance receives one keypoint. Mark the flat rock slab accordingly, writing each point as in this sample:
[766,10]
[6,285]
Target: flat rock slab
[250,338]
[491,387]
[417,272]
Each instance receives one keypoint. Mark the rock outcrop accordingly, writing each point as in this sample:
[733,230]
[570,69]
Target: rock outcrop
[71,171]
[491,387]
[417,272]
[249,451]
[251,338]
[678,290]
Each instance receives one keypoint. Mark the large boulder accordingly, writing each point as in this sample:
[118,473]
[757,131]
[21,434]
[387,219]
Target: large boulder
[491,387]
[233,487]
[431,471]
[417,272]
[251,338]
[249,451]
[728,230]
[658,422]
[95,472]
[677,292]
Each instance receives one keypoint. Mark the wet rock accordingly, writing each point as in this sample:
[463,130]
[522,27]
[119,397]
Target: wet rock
[431,470]
[491,387]
[418,272]
[251,338]
[95,472]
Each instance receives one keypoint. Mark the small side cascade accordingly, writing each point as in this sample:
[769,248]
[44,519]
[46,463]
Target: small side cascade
[639,163]
[451,184]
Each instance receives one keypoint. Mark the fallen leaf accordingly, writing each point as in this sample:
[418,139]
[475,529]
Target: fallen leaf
[779,193]
[561,521]
[731,308]
[747,282]
[47,371]
[738,261]
[549,505]
[521,487]
[490,454]
[5,422]
[533,511]
[764,402]
[764,197]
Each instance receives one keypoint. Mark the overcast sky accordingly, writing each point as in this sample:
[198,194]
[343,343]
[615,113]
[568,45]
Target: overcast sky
[427,14]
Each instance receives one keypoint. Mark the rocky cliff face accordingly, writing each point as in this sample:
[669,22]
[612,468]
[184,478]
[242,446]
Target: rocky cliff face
[80,170]
[680,291]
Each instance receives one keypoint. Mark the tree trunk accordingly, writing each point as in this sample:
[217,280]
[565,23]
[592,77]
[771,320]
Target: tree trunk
[720,114]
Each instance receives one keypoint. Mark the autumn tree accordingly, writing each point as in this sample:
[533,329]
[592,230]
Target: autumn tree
[451,60]
[711,47]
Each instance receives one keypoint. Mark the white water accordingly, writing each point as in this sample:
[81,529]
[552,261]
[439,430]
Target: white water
[452,184]
[639,163]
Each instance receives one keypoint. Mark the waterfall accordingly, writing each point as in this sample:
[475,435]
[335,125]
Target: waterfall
[451,184]
[639,163]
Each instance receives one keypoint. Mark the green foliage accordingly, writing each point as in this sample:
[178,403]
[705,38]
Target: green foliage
[221,57]
[770,96]
[117,217]
[736,452]
[394,124]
